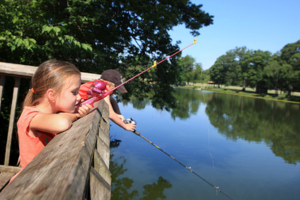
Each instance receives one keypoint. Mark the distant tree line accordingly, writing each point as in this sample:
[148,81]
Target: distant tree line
[190,71]
[259,69]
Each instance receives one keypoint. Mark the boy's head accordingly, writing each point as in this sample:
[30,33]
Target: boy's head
[115,77]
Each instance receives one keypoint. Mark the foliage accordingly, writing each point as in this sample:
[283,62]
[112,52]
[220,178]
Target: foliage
[257,68]
[190,71]
[99,35]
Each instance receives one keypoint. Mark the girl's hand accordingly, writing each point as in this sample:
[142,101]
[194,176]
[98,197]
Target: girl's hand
[130,127]
[83,110]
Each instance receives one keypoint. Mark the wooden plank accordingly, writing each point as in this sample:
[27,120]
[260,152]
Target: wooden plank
[2,80]
[6,172]
[9,169]
[11,120]
[61,169]
[99,188]
[4,179]
[103,149]
[27,71]
[101,167]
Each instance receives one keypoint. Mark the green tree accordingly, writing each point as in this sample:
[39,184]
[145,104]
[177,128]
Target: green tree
[100,34]
[257,62]
[186,65]
[290,56]
[197,72]
[227,69]
[272,70]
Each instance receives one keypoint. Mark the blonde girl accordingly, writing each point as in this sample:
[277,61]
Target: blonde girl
[49,107]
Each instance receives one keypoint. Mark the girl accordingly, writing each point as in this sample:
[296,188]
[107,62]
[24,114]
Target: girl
[49,107]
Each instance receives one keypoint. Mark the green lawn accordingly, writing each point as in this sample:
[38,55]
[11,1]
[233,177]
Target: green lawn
[295,98]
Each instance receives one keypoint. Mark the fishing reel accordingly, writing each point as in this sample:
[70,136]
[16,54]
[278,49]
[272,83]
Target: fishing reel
[98,91]
[129,121]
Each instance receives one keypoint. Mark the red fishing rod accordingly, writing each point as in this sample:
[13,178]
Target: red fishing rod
[98,89]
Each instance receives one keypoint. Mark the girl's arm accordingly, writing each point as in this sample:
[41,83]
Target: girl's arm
[56,123]
[116,119]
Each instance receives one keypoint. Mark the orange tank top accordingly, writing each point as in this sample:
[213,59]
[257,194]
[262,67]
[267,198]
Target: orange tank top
[30,146]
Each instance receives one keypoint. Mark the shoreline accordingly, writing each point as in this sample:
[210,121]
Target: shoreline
[249,93]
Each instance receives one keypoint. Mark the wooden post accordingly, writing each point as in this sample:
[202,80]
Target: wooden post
[11,120]
[2,80]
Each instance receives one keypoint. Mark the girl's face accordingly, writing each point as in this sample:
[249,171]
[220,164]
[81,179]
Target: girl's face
[67,99]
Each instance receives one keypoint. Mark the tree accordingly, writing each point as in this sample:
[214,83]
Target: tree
[197,72]
[98,35]
[290,56]
[186,65]
[217,71]
[272,70]
[257,62]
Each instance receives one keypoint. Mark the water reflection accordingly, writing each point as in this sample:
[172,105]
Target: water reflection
[121,186]
[258,120]
[238,117]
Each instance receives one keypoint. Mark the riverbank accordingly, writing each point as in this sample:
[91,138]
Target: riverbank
[249,92]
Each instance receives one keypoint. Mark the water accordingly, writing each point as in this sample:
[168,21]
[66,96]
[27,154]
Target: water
[249,148]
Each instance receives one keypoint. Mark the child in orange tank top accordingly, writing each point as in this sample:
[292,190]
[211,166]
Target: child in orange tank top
[51,100]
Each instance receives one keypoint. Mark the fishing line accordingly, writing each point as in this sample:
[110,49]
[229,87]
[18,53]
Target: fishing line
[100,96]
[143,66]
[154,65]
[188,168]
[212,159]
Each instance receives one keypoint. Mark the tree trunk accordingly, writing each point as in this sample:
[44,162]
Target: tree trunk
[276,83]
[289,91]
[244,85]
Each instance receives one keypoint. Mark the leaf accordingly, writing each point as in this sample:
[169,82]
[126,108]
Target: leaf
[87,47]
[31,40]
[18,42]
[15,19]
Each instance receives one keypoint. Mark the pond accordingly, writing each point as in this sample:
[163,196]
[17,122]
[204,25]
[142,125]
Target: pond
[248,147]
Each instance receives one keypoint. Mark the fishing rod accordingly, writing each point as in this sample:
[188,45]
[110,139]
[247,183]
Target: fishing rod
[98,90]
[130,120]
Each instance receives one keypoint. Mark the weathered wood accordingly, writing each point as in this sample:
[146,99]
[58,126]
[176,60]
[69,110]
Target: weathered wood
[101,167]
[2,80]
[99,188]
[6,172]
[62,169]
[103,149]
[11,120]
[27,71]
[9,169]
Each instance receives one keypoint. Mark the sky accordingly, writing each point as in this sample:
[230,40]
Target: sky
[266,25]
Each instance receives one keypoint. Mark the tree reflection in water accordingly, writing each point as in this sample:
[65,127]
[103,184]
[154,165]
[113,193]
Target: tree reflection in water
[121,186]
[239,117]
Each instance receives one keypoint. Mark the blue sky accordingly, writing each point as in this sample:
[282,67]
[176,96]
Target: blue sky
[267,25]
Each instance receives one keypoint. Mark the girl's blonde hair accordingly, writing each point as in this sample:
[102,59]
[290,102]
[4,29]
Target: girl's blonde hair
[51,74]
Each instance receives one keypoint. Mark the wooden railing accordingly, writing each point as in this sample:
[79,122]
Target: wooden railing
[74,165]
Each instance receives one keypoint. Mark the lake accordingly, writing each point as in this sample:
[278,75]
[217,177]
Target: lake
[248,147]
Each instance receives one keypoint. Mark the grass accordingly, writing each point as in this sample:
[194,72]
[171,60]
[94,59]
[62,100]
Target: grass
[295,98]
